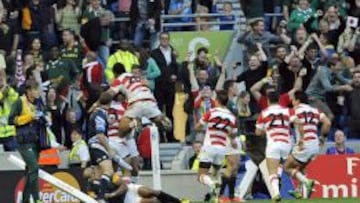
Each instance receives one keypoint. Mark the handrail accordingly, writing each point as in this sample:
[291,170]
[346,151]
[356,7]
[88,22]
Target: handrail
[199,23]
[196,15]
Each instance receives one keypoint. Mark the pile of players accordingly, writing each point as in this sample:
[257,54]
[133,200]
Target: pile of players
[112,126]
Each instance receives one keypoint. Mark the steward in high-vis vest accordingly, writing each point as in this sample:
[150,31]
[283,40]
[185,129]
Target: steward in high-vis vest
[25,117]
[79,154]
[8,97]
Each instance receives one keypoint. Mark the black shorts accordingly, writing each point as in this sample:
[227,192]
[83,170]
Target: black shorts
[97,156]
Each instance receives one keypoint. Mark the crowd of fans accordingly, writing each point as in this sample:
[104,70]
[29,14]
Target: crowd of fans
[67,47]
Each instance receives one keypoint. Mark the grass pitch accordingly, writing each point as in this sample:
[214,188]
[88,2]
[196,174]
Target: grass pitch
[305,201]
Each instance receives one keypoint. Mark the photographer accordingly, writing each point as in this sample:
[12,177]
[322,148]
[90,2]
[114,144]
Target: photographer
[8,96]
[26,118]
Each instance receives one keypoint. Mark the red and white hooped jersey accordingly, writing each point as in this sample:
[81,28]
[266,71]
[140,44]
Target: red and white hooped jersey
[309,117]
[221,123]
[275,121]
[115,113]
[132,87]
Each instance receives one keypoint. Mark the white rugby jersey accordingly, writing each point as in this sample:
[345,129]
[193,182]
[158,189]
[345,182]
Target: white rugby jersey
[221,123]
[309,117]
[275,121]
[132,88]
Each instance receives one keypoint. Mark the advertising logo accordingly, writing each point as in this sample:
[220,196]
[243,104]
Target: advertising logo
[50,193]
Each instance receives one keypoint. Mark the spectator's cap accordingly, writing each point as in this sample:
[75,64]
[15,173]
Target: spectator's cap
[335,58]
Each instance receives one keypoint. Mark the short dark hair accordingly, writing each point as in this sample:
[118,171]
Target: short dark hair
[273,96]
[118,69]
[105,98]
[228,84]
[356,72]
[312,46]
[301,96]
[31,84]
[202,49]
[222,97]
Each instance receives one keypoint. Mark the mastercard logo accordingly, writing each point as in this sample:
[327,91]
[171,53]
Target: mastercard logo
[50,193]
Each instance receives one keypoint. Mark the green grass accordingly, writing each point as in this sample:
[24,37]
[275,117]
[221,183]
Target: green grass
[306,201]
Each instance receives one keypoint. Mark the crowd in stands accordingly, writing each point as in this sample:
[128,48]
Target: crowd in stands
[68,47]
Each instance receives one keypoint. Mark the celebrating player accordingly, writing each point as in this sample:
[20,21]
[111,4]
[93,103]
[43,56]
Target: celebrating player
[141,102]
[308,142]
[274,121]
[220,132]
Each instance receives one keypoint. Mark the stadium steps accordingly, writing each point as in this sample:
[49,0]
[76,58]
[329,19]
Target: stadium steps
[168,152]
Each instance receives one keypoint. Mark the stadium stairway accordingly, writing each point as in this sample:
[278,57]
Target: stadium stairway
[168,152]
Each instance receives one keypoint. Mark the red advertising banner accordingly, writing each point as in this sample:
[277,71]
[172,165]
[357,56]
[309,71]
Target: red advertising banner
[337,176]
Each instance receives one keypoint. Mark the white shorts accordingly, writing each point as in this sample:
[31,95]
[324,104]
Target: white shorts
[119,145]
[306,154]
[148,109]
[132,195]
[277,150]
[211,154]
[232,151]
[124,147]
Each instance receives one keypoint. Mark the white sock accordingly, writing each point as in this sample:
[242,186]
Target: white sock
[300,177]
[274,181]
[206,180]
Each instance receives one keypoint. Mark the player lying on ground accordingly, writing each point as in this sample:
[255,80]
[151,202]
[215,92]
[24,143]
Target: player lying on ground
[220,132]
[121,192]
[307,147]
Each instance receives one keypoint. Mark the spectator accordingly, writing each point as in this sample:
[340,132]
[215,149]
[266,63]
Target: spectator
[339,147]
[145,18]
[123,10]
[354,110]
[243,111]
[165,58]
[61,71]
[71,49]
[321,83]
[67,16]
[36,51]
[92,72]
[354,8]
[354,46]
[202,62]
[9,31]
[122,55]
[280,53]
[96,33]
[253,9]
[228,17]
[179,7]
[54,111]
[79,154]
[149,66]
[193,161]
[93,10]
[340,5]
[8,97]
[300,15]
[259,35]
[202,10]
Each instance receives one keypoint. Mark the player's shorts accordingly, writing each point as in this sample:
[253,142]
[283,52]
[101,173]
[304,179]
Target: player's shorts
[148,109]
[306,154]
[232,151]
[211,154]
[119,145]
[98,155]
[277,150]
[132,194]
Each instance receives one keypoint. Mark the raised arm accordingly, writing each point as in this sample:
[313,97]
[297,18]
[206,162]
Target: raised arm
[255,89]
[262,55]
[298,83]
[221,80]
[193,82]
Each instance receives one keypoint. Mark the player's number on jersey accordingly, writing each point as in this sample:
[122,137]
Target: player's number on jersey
[276,117]
[134,79]
[221,123]
[308,117]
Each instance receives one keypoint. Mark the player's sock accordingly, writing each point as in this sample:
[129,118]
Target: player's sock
[274,181]
[122,163]
[232,182]
[224,182]
[104,184]
[299,176]
[135,179]
[205,179]
[167,198]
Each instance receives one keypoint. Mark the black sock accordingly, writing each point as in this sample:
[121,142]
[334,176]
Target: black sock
[232,182]
[167,198]
[104,185]
[224,182]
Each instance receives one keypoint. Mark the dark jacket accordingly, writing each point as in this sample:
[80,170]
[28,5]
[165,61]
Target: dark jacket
[91,32]
[288,77]
[154,11]
[166,70]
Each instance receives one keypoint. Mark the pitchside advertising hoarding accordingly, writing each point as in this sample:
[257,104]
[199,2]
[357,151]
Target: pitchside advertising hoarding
[338,177]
